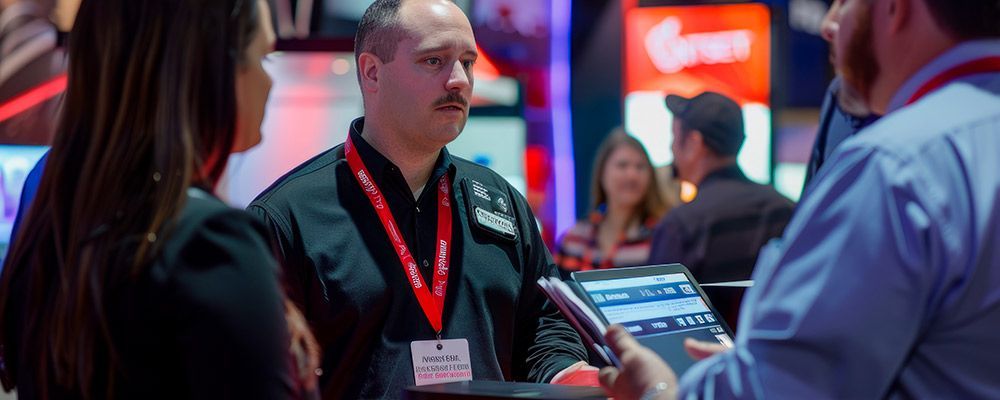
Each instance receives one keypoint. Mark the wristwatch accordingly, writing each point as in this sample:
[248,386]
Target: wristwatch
[655,391]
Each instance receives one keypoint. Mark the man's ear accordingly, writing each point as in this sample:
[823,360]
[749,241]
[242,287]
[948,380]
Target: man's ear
[369,66]
[697,141]
[898,12]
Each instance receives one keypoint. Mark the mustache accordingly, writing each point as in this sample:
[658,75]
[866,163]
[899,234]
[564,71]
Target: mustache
[451,98]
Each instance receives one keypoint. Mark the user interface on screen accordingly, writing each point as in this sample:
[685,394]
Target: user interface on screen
[660,309]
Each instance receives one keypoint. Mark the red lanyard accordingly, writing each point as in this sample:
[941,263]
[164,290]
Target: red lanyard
[431,301]
[979,66]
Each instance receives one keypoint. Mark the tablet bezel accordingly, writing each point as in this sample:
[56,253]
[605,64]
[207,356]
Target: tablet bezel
[643,271]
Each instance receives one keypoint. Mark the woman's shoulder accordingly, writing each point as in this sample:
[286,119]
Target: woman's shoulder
[202,207]
[209,233]
[215,291]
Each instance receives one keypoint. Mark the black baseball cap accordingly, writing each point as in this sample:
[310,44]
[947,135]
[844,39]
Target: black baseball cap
[717,117]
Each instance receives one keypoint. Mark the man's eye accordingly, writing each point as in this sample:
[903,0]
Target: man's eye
[468,64]
[433,61]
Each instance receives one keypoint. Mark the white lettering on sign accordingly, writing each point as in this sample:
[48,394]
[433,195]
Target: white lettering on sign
[672,52]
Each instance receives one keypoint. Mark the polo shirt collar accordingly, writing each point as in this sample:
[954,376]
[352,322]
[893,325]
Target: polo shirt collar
[380,166]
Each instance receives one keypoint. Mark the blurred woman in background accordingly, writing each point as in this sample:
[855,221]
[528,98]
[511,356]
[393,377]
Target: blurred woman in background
[130,279]
[626,204]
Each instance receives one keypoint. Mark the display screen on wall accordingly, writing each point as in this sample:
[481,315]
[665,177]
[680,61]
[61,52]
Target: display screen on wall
[686,50]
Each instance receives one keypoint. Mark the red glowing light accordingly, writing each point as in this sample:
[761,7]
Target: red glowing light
[32,97]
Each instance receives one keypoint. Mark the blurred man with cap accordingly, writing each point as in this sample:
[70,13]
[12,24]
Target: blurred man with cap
[717,235]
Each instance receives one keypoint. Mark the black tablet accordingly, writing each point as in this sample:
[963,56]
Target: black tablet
[660,305]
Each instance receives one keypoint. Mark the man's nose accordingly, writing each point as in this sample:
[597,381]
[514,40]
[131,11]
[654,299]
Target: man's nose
[829,27]
[460,79]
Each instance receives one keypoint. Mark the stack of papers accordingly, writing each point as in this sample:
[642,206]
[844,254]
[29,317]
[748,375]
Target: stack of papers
[584,319]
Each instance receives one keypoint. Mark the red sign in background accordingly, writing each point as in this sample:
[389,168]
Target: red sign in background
[686,50]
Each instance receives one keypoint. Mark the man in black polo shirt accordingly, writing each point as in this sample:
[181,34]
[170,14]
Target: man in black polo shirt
[414,266]
[718,235]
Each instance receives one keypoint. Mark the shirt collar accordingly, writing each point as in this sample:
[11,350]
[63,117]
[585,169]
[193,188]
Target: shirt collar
[960,54]
[728,172]
[856,122]
[379,165]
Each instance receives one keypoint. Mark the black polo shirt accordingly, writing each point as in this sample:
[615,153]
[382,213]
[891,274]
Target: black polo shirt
[344,273]
[718,235]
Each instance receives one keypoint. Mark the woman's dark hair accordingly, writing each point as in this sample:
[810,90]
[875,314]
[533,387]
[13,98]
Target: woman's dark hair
[653,205]
[148,112]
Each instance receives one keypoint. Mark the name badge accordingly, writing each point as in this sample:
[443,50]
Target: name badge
[441,361]
[490,209]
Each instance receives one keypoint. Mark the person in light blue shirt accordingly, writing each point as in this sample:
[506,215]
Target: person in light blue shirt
[886,283]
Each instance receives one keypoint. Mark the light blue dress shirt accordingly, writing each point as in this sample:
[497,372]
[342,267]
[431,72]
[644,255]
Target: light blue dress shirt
[886,283]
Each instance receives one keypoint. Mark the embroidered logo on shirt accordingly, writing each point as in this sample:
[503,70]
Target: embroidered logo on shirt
[501,204]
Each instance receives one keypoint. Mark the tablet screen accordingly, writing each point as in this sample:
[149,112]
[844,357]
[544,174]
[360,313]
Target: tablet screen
[657,305]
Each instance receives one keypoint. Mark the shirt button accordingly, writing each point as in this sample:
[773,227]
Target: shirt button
[426,264]
[418,208]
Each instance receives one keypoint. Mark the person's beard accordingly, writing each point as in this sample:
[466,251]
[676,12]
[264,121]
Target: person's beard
[859,68]
[852,102]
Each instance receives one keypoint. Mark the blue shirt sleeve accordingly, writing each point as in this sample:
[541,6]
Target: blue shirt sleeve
[841,299]
[28,195]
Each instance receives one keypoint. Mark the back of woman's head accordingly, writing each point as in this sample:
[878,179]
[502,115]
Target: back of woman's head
[652,204]
[149,110]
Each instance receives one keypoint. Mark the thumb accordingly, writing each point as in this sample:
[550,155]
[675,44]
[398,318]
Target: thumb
[619,340]
[607,376]
[699,350]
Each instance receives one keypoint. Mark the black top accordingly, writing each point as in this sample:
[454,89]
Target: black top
[345,275]
[718,235]
[206,320]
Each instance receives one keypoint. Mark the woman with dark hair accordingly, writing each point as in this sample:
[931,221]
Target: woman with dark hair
[130,279]
[626,205]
